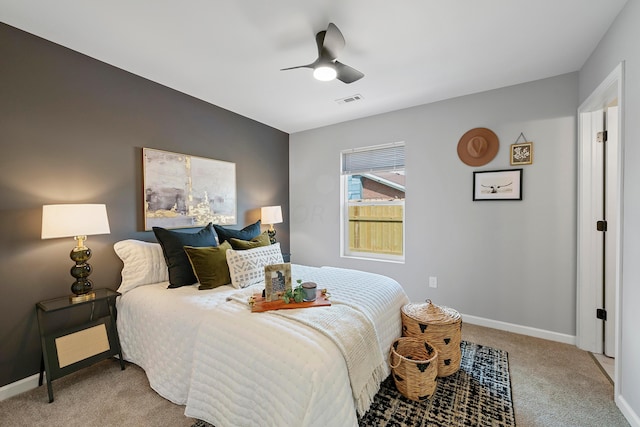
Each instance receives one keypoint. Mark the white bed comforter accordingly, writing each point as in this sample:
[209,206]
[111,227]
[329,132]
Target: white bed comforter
[235,368]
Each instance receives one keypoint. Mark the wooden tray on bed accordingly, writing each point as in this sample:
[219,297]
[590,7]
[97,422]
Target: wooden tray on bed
[261,305]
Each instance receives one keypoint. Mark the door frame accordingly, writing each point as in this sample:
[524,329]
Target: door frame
[589,294]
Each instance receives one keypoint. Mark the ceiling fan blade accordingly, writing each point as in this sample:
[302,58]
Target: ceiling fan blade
[330,42]
[347,74]
[297,66]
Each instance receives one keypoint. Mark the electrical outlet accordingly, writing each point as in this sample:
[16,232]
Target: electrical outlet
[433,282]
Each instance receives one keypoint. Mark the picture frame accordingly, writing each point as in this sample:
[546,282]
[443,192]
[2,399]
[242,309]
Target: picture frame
[182,191]
[505,184]
[521,154]
[277,280]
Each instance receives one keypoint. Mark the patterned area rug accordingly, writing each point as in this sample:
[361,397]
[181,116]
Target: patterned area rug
[479,394]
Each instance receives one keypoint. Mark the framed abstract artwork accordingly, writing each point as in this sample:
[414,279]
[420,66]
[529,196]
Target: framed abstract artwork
[497,185]
[183,191]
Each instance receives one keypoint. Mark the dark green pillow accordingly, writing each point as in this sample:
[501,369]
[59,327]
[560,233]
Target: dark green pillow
[173,243]
[210,265]
[247,233]
[260,240]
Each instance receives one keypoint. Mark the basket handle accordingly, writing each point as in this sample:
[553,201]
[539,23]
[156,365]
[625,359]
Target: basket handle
[390,363]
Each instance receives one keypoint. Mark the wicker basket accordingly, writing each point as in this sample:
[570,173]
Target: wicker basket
[439,326]
[414,364]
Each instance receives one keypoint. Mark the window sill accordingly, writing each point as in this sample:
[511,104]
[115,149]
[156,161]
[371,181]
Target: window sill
[373,258]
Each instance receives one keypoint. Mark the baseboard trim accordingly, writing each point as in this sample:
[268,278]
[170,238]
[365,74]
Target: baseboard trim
[628,412]
[519,329]
[20,386]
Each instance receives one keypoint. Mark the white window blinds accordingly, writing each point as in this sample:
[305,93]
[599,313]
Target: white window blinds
[388,157]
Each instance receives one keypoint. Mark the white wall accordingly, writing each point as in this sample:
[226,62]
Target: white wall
[621,44]
[508,261]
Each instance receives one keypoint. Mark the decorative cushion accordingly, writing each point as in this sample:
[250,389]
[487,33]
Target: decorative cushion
[247,266]
[144,264]
[210,265]
[173,243]
[256,242]
[247,233]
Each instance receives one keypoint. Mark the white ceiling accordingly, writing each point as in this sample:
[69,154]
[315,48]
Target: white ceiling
[412,52]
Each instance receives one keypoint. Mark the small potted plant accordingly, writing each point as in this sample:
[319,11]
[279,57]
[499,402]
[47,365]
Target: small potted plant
[296,294]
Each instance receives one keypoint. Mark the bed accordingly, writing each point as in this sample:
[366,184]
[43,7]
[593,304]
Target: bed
[205,349]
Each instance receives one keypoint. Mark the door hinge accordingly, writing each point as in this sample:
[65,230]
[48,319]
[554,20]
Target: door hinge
[602,136]
[601,225]
[601,313]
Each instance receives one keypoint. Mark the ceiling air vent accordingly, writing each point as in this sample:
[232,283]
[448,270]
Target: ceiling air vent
[349,99]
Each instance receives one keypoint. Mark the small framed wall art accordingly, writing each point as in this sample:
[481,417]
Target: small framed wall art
[521,152]
[277,280]
[497,185]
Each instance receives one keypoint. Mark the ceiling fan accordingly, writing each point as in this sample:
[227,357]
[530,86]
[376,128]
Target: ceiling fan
[326,67]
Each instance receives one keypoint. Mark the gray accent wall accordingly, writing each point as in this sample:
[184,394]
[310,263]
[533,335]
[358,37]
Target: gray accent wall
[72,131]
[621,44]
[507,261]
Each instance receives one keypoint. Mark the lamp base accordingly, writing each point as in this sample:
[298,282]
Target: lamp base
[82,288]
[272,235]
[82,298]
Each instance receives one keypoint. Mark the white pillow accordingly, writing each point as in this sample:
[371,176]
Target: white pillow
[144,264]
[247,266]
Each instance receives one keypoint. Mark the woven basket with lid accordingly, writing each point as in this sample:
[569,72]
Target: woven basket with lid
[441,327]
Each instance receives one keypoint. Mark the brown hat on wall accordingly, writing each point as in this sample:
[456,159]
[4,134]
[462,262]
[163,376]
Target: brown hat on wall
[478,147]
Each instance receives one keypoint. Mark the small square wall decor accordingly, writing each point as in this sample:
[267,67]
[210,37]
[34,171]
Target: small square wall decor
[522,154]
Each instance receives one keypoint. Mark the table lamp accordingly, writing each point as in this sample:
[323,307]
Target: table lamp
[77,221]
[270,215]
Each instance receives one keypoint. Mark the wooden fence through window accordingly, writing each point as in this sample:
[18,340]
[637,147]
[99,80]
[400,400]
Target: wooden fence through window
[376,228]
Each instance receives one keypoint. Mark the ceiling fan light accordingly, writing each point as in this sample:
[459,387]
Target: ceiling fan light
[325,73]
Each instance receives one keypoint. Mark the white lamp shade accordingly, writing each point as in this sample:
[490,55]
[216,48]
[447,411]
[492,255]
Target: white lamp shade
[74,220]
[271,215]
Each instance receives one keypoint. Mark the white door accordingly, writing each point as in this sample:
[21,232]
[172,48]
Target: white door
[611,203]
[604,190]
[598,276]
[597,189]
[599,229]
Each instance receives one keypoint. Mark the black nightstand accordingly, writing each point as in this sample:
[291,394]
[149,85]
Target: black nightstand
[286,257]
[65,349]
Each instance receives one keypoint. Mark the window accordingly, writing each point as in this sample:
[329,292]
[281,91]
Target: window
[373,182]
